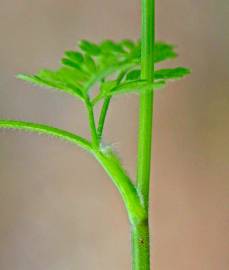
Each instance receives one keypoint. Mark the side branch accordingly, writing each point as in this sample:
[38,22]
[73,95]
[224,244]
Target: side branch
[46,130]
[109,162]
[123,183]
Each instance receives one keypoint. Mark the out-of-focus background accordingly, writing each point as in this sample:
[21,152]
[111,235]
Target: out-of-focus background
[58,209]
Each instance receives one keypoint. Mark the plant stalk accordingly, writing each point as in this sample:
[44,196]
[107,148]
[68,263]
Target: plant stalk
[127,190]
[140,232]
[91,118]
[140,246]
[105,107]
[103,116]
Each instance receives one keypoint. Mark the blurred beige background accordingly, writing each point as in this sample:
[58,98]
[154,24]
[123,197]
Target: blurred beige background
[58,209]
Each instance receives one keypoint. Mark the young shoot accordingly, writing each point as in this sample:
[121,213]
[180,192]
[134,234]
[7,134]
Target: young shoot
[114,68]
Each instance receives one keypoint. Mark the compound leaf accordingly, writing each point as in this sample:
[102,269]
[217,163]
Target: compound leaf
[81,70]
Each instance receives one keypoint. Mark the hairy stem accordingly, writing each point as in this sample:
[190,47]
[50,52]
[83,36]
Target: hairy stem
[91,118]
[140,235]
[47,130]
[102,116]
[140,245]
[108,161]
[123,183]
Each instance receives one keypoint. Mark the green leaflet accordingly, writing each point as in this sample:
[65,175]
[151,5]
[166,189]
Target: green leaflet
[164,51]
[107,86]
[133,75]
[109,46]
[171,73]
[45,79]
[110,88]
[127,44]
[74,56]
[72,64]
[90,64]
[134,86]
[89,47]
[161,74]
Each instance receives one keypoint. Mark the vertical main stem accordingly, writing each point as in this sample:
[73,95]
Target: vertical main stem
[140,246]
[140,232]
[146,100]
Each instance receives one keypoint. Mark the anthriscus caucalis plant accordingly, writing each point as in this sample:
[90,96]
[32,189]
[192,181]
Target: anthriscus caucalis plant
[114,68]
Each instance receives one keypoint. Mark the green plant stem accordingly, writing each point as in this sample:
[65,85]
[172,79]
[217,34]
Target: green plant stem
[140,233]
[91,118]
[102,116]
[146,101]
[107,159]
[47,130]
[123,183]
[105,107]
[140,245]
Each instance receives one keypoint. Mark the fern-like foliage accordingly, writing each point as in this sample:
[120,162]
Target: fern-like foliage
[115,66]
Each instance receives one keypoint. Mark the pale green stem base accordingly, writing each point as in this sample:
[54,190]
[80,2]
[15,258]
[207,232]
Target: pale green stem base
[140,246]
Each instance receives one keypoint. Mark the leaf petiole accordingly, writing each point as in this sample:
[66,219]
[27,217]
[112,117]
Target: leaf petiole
[91,120]
[102,116]
[105,106]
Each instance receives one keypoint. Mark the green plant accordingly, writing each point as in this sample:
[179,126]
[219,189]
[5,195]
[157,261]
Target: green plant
[117,68]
